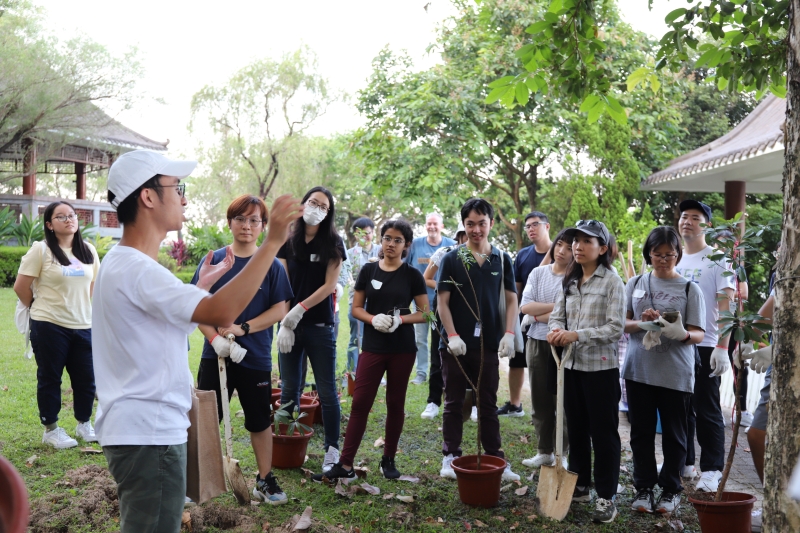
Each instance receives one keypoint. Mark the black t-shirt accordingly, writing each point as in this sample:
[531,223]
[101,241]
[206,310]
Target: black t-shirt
[385,292]
[307,274]
[486,280]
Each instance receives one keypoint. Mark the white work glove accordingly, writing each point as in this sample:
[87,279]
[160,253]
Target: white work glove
[747,349]
[527,320]
[761,359]
[221,345]
[456,346]
[285,340]
[506,348]
[719,362]
[381,322]
[293,317]
[237,352]
[339,290]
[672,330]
[651,340]
[397,320]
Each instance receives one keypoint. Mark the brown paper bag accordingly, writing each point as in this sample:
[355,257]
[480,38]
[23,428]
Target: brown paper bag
[205,475]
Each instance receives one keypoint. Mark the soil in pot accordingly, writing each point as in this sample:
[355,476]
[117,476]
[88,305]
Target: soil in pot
[479,488]
[731,515]
[289,451]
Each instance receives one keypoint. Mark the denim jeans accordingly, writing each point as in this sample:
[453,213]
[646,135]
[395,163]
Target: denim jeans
[356,335]
[57,348]
[319,346]
[421,336]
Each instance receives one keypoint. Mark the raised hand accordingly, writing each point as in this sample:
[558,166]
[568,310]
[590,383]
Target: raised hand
[209,274]
[285,210]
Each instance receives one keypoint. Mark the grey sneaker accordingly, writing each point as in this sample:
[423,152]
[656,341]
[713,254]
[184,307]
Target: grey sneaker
[605,511]
[668,502]
[511,410]
[420,378]
[58,438]
[644,501]
[267,490]
[581,494]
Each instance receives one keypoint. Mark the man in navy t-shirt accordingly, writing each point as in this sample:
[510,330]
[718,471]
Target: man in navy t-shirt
[249,356]
[537,227]
[419,256]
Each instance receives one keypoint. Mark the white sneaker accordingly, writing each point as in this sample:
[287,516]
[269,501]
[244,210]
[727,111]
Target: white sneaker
[86,431]
[508,475]
[747,419]
[755,521]
[709,481]
[688,472]
[447,468]
[59,439]
[431,411]
[331,458]
[540,459]
[474,415]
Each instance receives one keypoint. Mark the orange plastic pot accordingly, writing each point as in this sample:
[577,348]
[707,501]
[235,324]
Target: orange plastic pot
[289,451]
[731,515]
[351,384]
[276,396]
[479,488]
[14,501]
[313,395]
[310,406]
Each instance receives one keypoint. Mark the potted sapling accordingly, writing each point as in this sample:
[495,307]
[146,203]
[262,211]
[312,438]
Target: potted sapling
[289,438]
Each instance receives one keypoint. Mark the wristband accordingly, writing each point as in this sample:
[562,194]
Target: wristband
[212,338]
[722,347]
[688,336]
[401,319]
[510,332]
[534,318]
[453,335]
[303,306]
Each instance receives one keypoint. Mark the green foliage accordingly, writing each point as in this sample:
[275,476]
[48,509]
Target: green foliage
[204,238]
[8,220]
[165,260]
[10,258]
[29,230]
[287,422]
[186,273]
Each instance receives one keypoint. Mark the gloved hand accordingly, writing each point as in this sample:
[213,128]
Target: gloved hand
[456,346]
[221,345]
[397,320]
[339,290]
[761,359]
[527,320]
[285,340]
[672,330]
[651,340]
[293,317]
[381,322]
[506,348]
[238,353]
[747,349]
[719,362]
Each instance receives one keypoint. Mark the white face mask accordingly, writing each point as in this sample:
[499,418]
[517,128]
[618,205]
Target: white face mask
[313,216]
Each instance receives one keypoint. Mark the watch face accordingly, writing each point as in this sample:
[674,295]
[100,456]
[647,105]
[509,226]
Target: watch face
[245,327]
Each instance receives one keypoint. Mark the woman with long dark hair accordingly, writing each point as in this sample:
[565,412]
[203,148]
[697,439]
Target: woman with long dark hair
[588,319]
[63,268]
[659,373]
[382,301]
[313,257]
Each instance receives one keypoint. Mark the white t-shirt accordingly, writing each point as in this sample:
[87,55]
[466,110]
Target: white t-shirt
[543,287]
[142,317]
[698,268]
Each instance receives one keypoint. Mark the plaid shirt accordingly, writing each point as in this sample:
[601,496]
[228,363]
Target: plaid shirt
[596,312]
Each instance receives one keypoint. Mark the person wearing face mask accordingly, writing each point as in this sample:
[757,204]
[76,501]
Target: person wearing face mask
[313,257]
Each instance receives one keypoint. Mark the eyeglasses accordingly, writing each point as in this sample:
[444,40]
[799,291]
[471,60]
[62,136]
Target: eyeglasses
[533,225]
[64,218]
[388,240]
[316,205]
[665,257]
[181,188]
[253,221]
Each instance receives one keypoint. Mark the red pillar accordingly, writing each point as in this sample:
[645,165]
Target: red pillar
[734,198]
[80,181]
[29,167]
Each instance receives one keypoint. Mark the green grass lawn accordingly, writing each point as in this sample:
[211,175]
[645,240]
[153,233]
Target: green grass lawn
[66,501]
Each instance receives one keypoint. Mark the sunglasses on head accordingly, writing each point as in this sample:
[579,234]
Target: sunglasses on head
[588,223]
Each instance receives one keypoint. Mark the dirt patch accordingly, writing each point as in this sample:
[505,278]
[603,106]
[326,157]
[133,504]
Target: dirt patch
[212,515]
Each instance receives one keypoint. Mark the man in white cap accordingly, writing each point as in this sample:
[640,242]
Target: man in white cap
[142,316]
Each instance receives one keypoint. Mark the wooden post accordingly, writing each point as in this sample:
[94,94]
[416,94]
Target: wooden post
[80,181]
[734,198]
[29,167]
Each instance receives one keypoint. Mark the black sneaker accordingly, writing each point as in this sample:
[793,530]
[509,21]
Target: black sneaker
[511,410]
[337,471]
[605,511]
[644,501]
[668,502]
[267,490]
[581,494]
[388,469]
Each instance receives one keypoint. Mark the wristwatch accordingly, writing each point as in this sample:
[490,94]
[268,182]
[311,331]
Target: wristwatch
[245,327]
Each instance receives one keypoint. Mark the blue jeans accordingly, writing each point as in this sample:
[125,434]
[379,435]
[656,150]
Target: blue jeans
[421,336]
[57,348]
[320,348]
[356,335]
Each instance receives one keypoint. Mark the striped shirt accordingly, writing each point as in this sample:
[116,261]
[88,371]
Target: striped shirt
[596,312]
[542,287]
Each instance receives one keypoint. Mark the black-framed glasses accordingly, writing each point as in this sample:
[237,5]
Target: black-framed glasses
[64,218]
[180,187]
[253,221]
[316,205]
[397,240]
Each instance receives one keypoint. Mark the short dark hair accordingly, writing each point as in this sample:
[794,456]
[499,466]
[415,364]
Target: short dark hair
[242,205]
[659,236]
[403,227]
[537,214]
[363,223]
[128,209]
[562,236]
[479,205]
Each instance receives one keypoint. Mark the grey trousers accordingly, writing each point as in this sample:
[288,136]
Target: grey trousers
[543,410]
[151,484]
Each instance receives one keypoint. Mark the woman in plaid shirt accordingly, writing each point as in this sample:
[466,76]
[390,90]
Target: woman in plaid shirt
[588,319]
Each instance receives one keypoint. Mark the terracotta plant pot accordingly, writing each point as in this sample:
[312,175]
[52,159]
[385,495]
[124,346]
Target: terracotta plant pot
[14,502]
[351,384]
[289,451]
[731,515]
[276,395]
[314,395]
[310,406]
[480,488]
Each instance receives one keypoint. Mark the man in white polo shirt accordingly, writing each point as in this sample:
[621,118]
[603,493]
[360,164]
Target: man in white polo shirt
[142,316]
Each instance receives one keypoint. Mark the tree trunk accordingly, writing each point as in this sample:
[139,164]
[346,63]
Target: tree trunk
[782,514]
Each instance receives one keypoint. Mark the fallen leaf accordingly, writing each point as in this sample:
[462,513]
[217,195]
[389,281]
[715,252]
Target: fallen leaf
[254,503]
[406,499]
[303,481]
[89,449]
[467,526]
[388,496]
[339,489]
[402,517]
[265,526]
[506,487]
[187,520]
[30,460]
[412,479]
[523,439]
[379,442]
[530,478]
[516,512]
[380,400]
[440,520]
[345,512]
[514,526]
[361,472]
[307,472]
[500,518]
[429,520]
[532,517]
[478,523]
[5,387]
[305,520]
[426,461]
[522,491]
[677,525]
[369,502]
[372,490]
[357,490]
[519,484]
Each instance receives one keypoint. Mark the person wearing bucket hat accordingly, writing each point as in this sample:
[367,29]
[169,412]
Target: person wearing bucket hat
[142,315]
[705,413]
[588,319]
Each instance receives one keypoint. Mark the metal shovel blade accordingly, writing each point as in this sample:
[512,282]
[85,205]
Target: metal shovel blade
[556,486]
[233,473]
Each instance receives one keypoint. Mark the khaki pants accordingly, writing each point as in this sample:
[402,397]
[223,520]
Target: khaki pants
[543,409]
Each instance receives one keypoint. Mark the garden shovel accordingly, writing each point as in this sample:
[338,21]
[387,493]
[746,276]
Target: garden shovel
[232,470]
[557,484]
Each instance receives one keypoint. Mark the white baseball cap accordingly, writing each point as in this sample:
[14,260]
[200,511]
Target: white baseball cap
[132,169]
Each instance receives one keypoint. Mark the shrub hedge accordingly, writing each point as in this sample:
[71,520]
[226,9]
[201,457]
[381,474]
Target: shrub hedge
[10,257]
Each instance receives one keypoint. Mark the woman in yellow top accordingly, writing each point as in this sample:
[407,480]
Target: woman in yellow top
[64,268]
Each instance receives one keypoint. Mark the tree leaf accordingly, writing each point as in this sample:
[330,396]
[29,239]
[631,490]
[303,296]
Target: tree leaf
[537,27]
[522,93]
[674,14]
[305,520]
